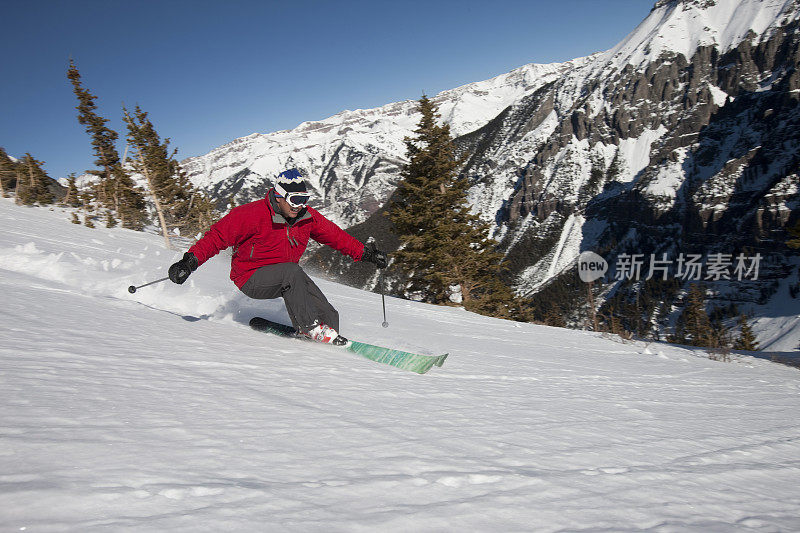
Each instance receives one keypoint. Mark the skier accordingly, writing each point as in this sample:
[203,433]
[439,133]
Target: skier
[268,237]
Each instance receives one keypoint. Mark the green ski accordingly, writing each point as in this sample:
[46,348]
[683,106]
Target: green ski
[397,358]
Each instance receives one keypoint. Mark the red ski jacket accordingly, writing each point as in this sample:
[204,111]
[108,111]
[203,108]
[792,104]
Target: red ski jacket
[260,236]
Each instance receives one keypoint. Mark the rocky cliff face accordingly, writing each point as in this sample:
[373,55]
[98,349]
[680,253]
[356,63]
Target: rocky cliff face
[672,155]
[703,148]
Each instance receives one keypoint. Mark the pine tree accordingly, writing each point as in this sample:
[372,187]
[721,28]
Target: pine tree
[32,188]
[110,220]
[72,198]
[596,179]
[8,173]
[200,211]
[103,138]
[554,317]
[747,339]
[431,164]
[129,200]
[694,324]
[794,231]
[115,189]
[718,336]
[87,198]
[178,204]
[614,169]
[444,247]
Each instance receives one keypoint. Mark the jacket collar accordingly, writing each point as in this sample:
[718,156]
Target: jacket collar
[278,218]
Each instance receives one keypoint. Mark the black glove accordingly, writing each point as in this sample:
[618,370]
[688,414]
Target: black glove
[181,270]
[373,255]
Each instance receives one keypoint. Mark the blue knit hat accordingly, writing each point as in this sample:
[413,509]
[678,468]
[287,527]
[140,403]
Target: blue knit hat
[290,181]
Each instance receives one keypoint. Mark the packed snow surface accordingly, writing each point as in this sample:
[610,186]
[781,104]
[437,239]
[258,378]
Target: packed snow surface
[163,411]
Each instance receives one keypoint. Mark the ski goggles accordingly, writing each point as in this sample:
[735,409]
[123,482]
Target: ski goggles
[297,199]
[294,199]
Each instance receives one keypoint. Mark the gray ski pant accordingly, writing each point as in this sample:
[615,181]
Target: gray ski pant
[304,301]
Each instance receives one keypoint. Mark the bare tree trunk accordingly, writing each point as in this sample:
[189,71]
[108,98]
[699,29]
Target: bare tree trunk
[32,181]
[102,189]
[152,190]
[16,187]
[592,307]
[117,193]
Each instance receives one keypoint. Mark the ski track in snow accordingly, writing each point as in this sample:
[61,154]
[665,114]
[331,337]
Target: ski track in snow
[117,413]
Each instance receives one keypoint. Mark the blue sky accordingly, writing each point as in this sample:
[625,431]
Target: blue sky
[209,72]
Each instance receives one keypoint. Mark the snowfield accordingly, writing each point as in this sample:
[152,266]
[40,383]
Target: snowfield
[163,411]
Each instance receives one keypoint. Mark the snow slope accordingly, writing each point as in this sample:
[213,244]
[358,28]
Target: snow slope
[162,411]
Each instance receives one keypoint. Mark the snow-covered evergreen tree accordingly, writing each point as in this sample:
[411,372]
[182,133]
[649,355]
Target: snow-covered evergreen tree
[747,339]
[115,188]
[32,186]
[178,204]
[445,253]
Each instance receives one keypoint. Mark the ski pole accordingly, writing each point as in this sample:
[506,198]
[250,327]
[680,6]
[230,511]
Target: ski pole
[383,300]
[132,289]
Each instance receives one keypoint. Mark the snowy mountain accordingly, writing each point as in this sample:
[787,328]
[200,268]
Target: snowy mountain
[162,411]
[681,139]
[352,159]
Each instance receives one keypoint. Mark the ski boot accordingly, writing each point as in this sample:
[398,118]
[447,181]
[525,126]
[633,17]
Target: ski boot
[325,334]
